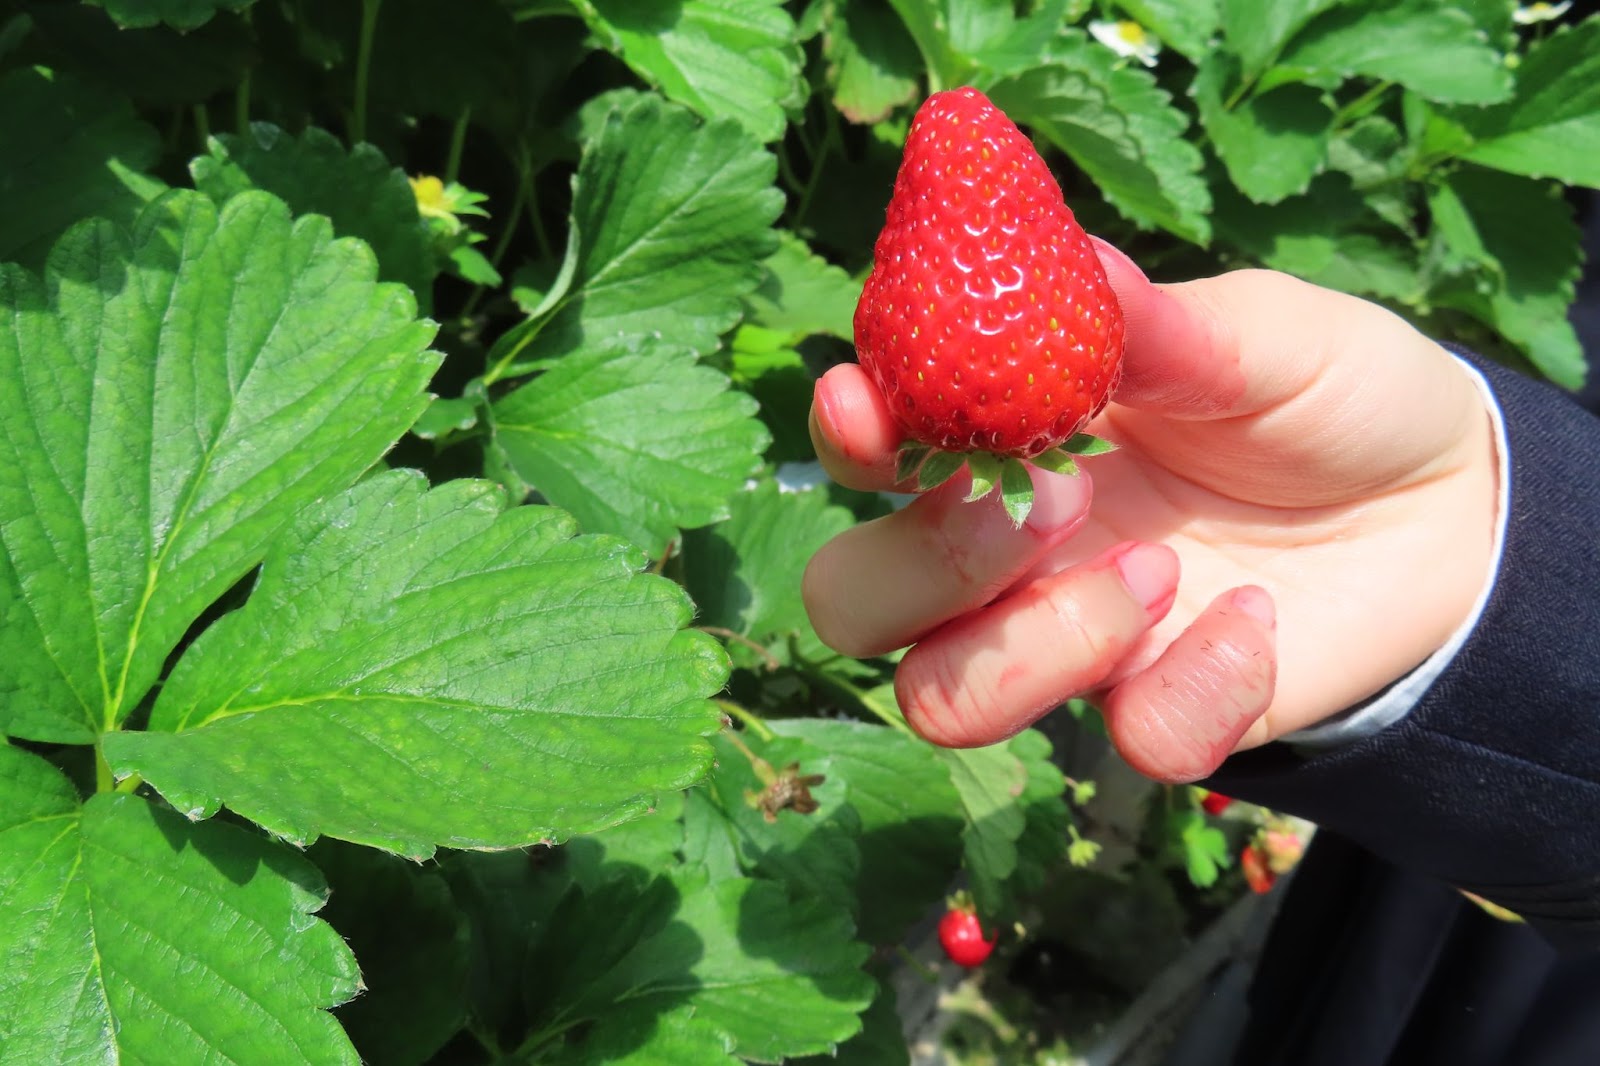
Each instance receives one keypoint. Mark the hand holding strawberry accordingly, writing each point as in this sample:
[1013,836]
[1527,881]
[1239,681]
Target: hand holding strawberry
[1322,476]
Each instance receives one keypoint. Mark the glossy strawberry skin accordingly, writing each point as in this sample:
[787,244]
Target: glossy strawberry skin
[961,936]
[1214,803]
[987,320]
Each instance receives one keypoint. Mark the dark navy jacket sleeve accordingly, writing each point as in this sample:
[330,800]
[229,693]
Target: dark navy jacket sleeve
[1492,782]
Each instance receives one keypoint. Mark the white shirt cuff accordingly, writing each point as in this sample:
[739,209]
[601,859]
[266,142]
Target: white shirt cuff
[1396,701]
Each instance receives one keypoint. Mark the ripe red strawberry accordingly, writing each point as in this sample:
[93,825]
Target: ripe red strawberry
[961,936]
[1257,873]
[987,320]
[1214,803]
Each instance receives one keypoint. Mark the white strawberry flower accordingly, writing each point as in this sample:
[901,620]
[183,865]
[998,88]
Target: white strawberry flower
[1128,39]
[1528,14]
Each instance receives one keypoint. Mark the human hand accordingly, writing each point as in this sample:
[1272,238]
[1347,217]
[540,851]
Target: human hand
[1322,476]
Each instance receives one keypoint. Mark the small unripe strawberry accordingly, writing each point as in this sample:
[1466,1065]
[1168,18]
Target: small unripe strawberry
[987,320]
[1283,848]
[961,936]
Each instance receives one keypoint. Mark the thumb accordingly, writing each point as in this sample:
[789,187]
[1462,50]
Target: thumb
[1225,346]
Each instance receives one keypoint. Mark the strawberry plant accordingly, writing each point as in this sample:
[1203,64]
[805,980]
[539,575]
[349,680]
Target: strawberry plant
[405,486]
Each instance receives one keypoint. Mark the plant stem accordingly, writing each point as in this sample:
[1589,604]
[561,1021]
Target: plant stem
[130,784]
[104,781]
[530,199]
[751,722]
[202,124]
[928,974]
[497,253]
[241,97]
[458,141]
[241,104]
[1356,108]
[369,24]
[760,649]
[892,719]
[829,139]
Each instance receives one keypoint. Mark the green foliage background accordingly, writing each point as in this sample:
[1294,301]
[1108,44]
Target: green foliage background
[402,485]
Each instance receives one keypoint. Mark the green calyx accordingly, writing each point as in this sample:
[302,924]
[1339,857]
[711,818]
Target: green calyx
[932,467]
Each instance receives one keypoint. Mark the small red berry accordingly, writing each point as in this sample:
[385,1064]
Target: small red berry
[987,320]
[1257,873]
[961,935]
[1214,803]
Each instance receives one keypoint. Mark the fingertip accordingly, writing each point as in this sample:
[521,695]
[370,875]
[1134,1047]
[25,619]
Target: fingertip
[1177,720]
[852,429]
[1122,272]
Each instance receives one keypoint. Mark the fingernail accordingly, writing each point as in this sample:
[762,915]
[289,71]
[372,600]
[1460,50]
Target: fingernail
[1060,502]
[1150,572]
[1257,603]
[1110,254]
[822,405]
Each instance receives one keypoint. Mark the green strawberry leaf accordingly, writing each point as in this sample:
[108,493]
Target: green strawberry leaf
[881,1042]
[710,843]
[929,27]
[735,59]
[179,14]
[402,922]
[671,220]
[764,363]
[421,668]
[1272,144]
[362,194]
[1119,127]
[72,152]
[1257,32]
[169,399]
[727,949]
[133,935]
[939,467]
[989,782]
[1205,848]
[801,293]
[650,843]
[872,61]
[647,1036]
[503,896]
[744,574]
[1043,843]
[909,814]
[446,416]
[1186,26]
[1551,126]
[1374,153]
[1009,46]
[1016,490]
[985,470]
[1329,237]
[1429,46]
[636,441]
[1521,267]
